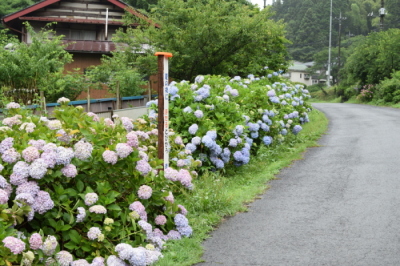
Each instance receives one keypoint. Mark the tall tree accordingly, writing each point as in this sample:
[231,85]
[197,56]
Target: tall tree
[213,37]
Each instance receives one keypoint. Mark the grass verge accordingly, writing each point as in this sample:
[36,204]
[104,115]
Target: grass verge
[218,195]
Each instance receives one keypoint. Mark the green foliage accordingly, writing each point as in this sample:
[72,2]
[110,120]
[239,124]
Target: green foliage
[211,37]
[375,59]
[118,73]
[388,90]
[27,68]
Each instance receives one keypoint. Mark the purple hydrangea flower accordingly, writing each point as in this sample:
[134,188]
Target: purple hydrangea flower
[123,150]
[15,245]
[16,179]
[115,261]
[64,155]
[178,140]
[145,226]
[26,198]
[43,202]
[145,192]
[182,210]
[185,230]
[170,197]
[143,167]
[185,178]
[180,220]
[110,157]
[93,116]
[174,235]
[13,105]
[138,207]
[93,233]
[193,129]
[127,123]
[4,197]
[132,139]
[35,241]
[80,262]
[11,156]
[69,170]
[64,258]
[171,174]
[137,257]
[83,150]
[38,168]
[81,214]
[199,114]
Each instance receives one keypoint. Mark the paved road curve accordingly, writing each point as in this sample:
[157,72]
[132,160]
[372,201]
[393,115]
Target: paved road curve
[338,206]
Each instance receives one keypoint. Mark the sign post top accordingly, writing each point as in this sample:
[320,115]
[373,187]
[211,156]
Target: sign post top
[164,54]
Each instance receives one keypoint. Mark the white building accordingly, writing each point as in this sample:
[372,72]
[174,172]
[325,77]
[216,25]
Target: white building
[299,72]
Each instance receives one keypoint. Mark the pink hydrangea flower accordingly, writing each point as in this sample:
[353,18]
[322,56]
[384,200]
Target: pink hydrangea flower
[35,241]
[15,245]
[160,220]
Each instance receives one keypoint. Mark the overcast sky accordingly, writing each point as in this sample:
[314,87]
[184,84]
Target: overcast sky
[260,3]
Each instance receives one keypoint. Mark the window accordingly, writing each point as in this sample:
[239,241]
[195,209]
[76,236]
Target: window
[301,75]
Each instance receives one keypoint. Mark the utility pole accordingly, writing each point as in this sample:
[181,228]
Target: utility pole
[340,27]
[330,43]
[382,13]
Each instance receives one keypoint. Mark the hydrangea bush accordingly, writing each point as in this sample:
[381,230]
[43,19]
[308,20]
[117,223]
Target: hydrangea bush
[223,121]
[84,190]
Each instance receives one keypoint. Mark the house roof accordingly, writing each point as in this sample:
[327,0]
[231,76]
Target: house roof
[91,46]
[300,66]
[22,14]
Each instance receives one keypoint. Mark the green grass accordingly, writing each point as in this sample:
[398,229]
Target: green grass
[217,195]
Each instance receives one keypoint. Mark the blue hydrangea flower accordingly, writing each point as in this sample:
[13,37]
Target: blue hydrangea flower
[207,141]
[212,134]
[253,127]
[274,99]
[196,140]
[269,76]
[187,110]
[296,129]
[264,127]
[267,140]
[191,147]
[284,131]
[173,90]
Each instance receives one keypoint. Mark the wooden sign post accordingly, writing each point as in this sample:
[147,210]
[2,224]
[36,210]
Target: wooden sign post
[163,112]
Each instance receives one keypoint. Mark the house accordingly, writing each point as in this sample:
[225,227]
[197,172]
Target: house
[300,72]
[87,25]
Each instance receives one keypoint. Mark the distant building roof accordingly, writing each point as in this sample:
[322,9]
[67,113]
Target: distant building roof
[300,66]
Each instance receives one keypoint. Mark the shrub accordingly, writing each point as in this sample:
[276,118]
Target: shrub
[223,121]
[84,188]
[388,90]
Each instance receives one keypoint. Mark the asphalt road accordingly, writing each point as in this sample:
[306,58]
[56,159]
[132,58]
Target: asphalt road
[340,205]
